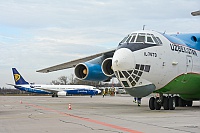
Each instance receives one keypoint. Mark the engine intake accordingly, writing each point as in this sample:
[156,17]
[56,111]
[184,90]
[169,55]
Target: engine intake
[107,67]
[81,71]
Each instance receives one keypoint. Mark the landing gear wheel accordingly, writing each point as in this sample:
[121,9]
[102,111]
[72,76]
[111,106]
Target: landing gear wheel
[157,104]
[171,103]
[181,102]
[166,103]
[176,98]
[151,103]
[54,95]
[189,103]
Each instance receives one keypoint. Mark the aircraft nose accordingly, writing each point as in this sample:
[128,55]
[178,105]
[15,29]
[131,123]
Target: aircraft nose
[99,91]
[123,59]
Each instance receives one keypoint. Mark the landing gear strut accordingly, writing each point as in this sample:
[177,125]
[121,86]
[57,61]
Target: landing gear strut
[54,95]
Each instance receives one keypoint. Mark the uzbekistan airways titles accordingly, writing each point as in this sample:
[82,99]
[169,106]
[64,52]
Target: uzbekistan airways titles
[183,49]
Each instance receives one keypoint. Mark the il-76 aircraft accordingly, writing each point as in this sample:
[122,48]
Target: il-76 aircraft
[55,90]
[148,62]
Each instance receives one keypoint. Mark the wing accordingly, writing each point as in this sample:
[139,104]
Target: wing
[11,85]
[50,90]
[196,13]
[73,63]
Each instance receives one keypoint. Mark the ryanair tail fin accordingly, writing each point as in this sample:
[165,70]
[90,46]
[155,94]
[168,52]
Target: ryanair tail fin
[19,80]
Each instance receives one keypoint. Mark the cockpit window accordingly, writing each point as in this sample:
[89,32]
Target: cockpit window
[155,40]
[140,37]
[149,39]
[133,38]
[128,39]
[160,42]
[124,39]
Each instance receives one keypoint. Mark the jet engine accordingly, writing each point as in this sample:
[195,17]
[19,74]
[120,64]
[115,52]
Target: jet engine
[62,93]
[107,67]
[89,71]
[92,70]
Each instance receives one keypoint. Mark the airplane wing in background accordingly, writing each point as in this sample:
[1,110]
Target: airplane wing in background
[50,90]
[196,13]
[73,63]
[12,85]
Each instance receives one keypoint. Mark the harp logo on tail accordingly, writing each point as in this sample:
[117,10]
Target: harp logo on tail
[17,77]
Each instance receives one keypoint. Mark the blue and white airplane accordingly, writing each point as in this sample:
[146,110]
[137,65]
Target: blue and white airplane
[55,90]
[148,62]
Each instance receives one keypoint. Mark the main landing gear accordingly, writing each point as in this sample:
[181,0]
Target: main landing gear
[168,102]
[54,95]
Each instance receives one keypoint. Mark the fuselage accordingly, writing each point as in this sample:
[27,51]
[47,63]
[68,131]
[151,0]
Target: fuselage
[149,61]
[50,89]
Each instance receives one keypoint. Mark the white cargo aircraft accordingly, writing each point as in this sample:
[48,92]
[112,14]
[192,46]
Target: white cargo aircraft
[148,62]
[55,90]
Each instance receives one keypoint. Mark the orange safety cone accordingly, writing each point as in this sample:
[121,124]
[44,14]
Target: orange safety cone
[69,107]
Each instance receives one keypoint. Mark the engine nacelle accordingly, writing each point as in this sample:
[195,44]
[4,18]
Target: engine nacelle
[89,71]
[62,93]
[107,67]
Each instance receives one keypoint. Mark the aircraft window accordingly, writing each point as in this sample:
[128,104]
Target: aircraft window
[124,39]
[125,74]
[137,78]
[128,39]
[160,42]
[140,37]
[147,68]
[130,79]
[133,83]
[149,39]
[130,71]
[155,40]
[133,38]
[125,84]
[142,67]
[116,73]
[120,74]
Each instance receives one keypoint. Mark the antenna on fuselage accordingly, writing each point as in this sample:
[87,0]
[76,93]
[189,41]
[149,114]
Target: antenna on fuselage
[143,27]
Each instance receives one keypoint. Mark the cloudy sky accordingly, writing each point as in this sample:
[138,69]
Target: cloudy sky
[36,34]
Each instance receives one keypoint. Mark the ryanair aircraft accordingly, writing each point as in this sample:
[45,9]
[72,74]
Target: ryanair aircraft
[148,62]
[55,90]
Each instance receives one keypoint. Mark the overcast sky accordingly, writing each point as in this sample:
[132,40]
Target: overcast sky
[36,34]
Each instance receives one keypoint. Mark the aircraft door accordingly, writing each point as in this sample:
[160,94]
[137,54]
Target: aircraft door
[189,64]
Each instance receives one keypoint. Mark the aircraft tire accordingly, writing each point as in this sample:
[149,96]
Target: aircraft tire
[189,103]
[157,104]
[151,103]
[166,103]
[171,103]
[176,98]
[181,102]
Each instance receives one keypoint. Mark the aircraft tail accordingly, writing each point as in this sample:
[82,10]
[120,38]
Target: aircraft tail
[19,80]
